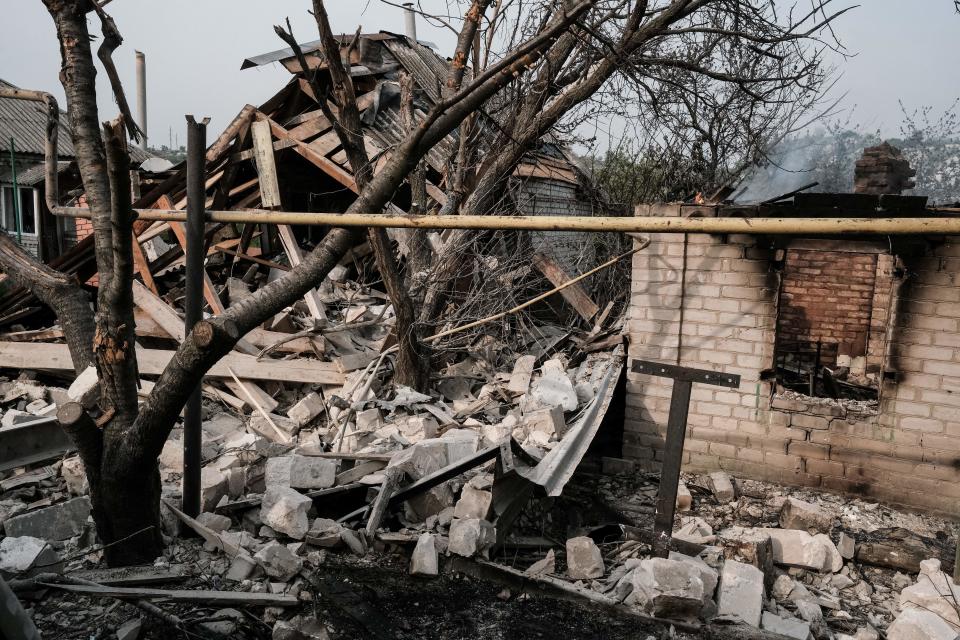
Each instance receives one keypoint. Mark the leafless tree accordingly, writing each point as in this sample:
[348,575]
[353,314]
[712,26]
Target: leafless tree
[519,70]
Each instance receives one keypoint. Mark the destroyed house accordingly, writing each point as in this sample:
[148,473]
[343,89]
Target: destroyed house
[548,181]
[23,211]
[846,348]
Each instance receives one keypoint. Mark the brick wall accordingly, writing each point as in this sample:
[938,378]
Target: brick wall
[828,296]
[82,229]
[724,317]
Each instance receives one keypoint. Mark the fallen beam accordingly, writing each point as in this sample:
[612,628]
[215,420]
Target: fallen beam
[34,441]
[20,355]
[180,595]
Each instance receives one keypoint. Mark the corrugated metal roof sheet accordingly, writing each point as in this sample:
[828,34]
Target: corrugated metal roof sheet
[26,122]
[30,175]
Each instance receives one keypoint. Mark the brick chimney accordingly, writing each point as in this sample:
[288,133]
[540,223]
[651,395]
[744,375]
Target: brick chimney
[882,170]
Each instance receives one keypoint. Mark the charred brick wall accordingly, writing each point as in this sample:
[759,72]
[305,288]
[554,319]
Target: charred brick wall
[719,312]
[827,296]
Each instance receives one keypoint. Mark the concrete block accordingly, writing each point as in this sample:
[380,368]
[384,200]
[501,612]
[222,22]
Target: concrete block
[741,592]
[83,386]
[58,522]
[790,627]
[846,545]
[473,503]
[722,487]
[916,624]
[584,560]
[469,537]
[550,421]
[424,561]
[276,471]
[324,532]
[24,556]
[554,388]
[797,514]
[213,487]
[279,562]
[666,588]
[71,470]
[307,472]
[544,566]
[285,510]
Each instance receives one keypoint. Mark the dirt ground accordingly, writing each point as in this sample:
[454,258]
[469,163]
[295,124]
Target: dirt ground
[372,601]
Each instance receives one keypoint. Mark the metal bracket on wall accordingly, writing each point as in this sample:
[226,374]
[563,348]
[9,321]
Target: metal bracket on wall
[683,379]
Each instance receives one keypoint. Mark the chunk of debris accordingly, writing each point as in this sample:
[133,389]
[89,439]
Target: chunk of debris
[795,548]
[753,546]
[544,566]
[307,409]
[58,522]
[846,545]
[71,470]
[307,472]
[214,521]
[324,532]
[790,627]
[741,592]
[797,514]
[24,556]
[82,388]
[722,487]
[241,567]
[553,388]
[917,624]
[666,588]
[469,537]
[584,560]
[353,541]
[130,630]
[225,622]
[300,628]
[684,498]
[934,591]
[473,503]
[708,575]
[213,487]
[279,562]
[285,510]
[424,561]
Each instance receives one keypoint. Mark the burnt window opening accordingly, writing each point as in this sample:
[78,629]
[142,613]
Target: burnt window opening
[832,322]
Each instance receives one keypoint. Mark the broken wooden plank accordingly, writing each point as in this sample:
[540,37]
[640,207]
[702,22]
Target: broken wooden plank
[162,313]
[20,355]
[520,377]
[295,255]
[364,468]
[574,294]
[133,576]
[391,481]
[181,595]
[246,390]
[338,455]
[142,264]
[266,165]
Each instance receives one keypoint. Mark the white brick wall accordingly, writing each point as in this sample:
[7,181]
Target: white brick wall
[908,454]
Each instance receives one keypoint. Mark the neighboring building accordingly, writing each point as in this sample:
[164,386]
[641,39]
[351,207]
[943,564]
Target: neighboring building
[23,210]
[848,350]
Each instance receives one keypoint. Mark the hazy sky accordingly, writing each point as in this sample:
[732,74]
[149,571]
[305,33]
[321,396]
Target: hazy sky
[901,49]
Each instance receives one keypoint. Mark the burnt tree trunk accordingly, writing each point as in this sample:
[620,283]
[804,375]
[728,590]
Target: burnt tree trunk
[124,479]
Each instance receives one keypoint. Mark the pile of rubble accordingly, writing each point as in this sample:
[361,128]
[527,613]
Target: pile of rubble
[793,562]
